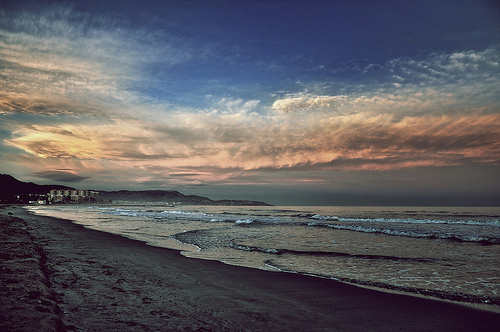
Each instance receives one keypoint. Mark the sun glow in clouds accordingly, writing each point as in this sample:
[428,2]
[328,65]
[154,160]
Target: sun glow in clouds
[251,140]
[89,94]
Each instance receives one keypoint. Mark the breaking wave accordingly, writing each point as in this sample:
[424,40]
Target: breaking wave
[407,227]
[414,233]
[275,251]
[446,295]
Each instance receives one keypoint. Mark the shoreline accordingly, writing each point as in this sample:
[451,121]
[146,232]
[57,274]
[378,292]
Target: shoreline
[477,305]
[106,281]
[476,301]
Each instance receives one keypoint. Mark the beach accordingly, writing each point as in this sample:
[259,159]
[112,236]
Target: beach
[65,277]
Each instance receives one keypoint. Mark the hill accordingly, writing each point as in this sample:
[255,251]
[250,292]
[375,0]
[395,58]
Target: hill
[10,187]
[170,196]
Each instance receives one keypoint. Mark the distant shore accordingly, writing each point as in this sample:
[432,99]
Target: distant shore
[85,280]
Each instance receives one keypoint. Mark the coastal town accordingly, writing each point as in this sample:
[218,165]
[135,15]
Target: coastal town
[70,196]
[56,196]
[13,191]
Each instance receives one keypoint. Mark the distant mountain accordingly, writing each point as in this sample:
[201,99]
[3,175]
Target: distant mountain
[170,196]
[11,186]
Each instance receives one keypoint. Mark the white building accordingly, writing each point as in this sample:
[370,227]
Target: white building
[72,196]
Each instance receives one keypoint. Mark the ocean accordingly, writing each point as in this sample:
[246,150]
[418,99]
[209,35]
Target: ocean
[444,252]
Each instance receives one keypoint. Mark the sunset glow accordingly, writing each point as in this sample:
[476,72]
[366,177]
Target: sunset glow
[182,102]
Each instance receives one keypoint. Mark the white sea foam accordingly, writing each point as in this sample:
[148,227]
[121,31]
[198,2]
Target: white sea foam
[321,217]
[492,222]
[244,221]
[367,225]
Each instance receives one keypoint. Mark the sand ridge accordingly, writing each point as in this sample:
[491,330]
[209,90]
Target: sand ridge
[27,303]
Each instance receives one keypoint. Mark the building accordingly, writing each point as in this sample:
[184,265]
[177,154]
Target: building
[72,196]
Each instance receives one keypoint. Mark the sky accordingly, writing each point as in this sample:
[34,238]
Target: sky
[288,102]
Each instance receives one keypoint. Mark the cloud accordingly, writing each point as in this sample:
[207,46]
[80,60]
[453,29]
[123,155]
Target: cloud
[251,140]
[59,61]
[77,89]
[458,67]
[60,175]
[305,103]
[47,105]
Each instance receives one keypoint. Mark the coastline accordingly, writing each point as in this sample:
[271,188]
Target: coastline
[104,281]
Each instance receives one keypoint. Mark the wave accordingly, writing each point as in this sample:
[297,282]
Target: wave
[494,222]
[167,214]
[446,295]
[268,217]
[387,226]
[275,251]
[236,218]
[432,235]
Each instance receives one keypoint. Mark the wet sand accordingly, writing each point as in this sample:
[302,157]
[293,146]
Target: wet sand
[86,280]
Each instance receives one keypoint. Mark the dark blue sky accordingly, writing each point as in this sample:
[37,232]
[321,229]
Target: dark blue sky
[365,100]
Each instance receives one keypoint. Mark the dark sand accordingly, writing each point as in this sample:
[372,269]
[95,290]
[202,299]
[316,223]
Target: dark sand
[103,282]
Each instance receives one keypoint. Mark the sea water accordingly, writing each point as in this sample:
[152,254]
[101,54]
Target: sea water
[449,253]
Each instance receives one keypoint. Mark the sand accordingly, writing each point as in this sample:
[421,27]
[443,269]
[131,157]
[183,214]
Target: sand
[68,278]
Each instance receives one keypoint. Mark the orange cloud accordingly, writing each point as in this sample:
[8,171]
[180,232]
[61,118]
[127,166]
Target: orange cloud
[370,141]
